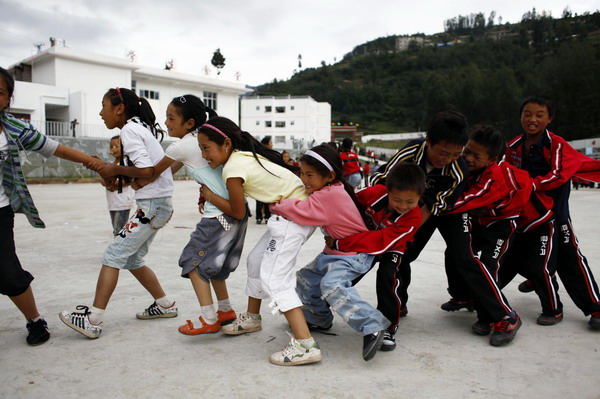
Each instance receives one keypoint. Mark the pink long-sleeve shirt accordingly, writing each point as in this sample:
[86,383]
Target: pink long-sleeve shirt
[330,207]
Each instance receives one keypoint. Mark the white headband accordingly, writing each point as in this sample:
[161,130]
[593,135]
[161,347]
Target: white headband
[319,158]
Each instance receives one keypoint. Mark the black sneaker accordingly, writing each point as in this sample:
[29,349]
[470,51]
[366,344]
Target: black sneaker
[482,328]
[549,320]
[372,343]
[316,328]
[453,305]
[526,286]
[594,322]
[388,343]
[38,332]
[504,331]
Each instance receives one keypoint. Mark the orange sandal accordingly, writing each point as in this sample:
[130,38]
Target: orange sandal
[188,328]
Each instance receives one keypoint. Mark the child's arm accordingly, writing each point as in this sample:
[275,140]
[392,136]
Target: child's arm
[309,212]
[110,169]
[384,240]
[480,194]
[236,205]
[159,168]
[73,155]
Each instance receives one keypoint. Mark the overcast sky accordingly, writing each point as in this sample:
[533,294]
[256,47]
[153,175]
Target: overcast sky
[260,39]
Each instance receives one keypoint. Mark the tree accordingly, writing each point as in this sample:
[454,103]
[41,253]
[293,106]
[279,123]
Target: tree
[299,61]
[218,61]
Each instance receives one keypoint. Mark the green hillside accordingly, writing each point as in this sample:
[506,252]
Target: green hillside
[481,68]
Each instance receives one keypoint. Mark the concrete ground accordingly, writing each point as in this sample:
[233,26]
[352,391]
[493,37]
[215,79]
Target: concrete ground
[437,355]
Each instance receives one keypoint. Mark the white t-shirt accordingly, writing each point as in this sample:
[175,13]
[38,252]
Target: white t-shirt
[120,201]
[4,200]
[144,151]
[188,152]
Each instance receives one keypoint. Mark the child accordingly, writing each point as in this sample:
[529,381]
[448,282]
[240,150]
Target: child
[251,169]
[123,109]
[119,203]
[215,247]
[552,162]
[328,279]
[16,135]
[394,216]
[350,162]
[438,155]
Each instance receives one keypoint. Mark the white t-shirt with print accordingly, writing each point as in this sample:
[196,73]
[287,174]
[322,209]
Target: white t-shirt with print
[144,151]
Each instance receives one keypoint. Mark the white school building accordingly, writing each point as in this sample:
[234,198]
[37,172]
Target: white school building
[59,85]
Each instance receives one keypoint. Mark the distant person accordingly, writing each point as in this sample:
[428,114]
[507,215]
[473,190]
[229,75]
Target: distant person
[17,135]
[366,173]
[350,162]
[74,124]
[262,210]
[119,203]
[123,109]
[286,158]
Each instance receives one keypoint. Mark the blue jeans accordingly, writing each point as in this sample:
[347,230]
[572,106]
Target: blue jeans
[325,285]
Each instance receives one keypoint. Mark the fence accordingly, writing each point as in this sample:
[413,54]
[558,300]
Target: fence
[66,129]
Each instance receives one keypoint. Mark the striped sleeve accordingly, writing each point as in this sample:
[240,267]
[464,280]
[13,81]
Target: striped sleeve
[405,154]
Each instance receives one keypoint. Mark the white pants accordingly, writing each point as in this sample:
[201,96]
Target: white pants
[271,263]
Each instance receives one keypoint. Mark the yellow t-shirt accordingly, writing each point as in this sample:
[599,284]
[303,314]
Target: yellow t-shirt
[258,183]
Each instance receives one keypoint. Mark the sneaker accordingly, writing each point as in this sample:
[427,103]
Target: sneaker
[38,332]
[188,328]
[549,320]
[225,318]
[526,286]
[296,354]
[505,330]
[371,344]
[316,328]
[594,322]
[389,342]
[80,322]
[258,221]
[453,305]
[243,324]
[155,311]
[482,328]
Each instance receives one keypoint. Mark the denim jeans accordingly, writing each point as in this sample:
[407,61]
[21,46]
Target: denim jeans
[325,285]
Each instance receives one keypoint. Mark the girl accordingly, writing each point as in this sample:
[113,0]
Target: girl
[15,135]
[119,203]
[252,169]
[123,109]
[327,281]
[215,247]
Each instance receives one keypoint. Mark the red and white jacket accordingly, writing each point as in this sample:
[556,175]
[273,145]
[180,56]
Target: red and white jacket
[391,231]
[350,162]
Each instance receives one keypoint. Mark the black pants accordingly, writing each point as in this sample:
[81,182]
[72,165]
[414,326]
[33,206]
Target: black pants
[456,232]
[262,211]
[533,255]
[574,271]
[13,279]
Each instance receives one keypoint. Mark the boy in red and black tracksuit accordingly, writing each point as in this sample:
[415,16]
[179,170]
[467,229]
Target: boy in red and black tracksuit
[393,216]
[552,162]
[496,196]
[439,157]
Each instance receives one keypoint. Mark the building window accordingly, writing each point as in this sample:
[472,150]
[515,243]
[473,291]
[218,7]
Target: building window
[268,124]
[210,99]
[292,123]
[258,107]
[257,123]
[268,108]
[280,110]
[280,124]
[279,139]
[149,94]
[291,107]
[133,85]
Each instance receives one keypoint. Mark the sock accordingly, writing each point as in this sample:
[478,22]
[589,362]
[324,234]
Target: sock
[164,302]
[307,342]
[37,318]
[224,305]
[209,314]
[96,316]
[255,316]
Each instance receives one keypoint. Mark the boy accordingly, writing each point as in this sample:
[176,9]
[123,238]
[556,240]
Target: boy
[392,212]
[497,197]
[552,162]
[439,156]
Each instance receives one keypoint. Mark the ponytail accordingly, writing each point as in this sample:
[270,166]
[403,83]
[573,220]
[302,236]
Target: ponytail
[136,107]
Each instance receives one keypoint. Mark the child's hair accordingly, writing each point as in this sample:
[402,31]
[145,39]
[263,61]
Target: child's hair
[540,100]
[450,126]
[135,106]
[406,176]
[333,158]
[10,84]
[241,140]
[490,138]
[191,107]
[346,144]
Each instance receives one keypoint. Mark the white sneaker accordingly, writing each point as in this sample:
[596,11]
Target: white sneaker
[296,354]
[80,322]
[155,311]
[245,323]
